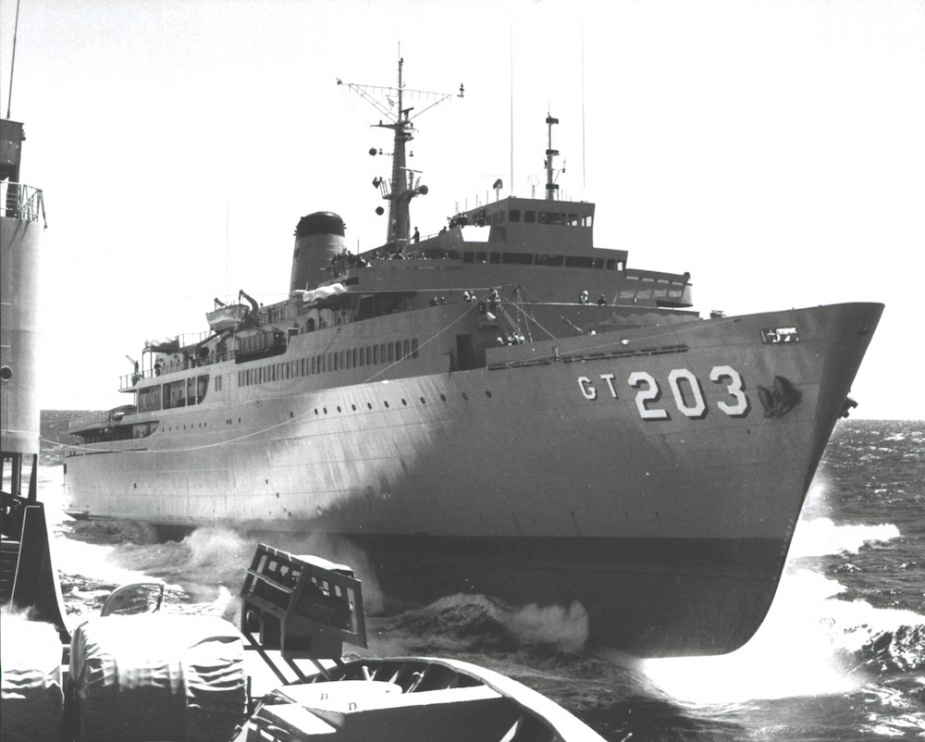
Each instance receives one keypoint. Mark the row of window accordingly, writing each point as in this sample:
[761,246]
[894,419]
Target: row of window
[550,217]
[182,393]
[553,261]
[369,355]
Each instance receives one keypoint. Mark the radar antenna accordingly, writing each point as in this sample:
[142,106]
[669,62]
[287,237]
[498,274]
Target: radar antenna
[390,102]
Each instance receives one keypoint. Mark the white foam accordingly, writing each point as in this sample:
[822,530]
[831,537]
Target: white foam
[792,654]
[822,536]
[566,628]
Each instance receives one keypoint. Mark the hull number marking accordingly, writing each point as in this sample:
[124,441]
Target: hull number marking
[685,388]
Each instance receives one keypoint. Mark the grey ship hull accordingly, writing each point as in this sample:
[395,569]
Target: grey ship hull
[653,474]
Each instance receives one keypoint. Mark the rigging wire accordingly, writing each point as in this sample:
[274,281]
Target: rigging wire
[9,99]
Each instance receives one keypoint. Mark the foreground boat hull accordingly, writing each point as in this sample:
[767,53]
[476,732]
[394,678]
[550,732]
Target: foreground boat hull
[654,474]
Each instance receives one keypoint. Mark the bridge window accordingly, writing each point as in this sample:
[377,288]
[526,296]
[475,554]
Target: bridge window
[551,260]
[517,258]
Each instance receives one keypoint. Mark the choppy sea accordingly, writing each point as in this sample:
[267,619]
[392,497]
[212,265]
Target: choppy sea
[840,657]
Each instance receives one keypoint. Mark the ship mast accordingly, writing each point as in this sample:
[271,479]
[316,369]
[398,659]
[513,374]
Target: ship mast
[551,186]
[402,188]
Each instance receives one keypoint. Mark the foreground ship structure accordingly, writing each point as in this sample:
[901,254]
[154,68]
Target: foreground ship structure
[28,580]
[518,413]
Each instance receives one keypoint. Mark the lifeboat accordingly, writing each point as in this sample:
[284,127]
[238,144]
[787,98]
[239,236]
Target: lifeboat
[226,318]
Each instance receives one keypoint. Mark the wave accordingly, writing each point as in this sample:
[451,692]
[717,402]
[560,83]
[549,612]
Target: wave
[473,623]
[812,643]
[822,536]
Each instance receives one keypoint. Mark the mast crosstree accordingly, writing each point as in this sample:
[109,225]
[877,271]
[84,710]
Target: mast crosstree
[390,102]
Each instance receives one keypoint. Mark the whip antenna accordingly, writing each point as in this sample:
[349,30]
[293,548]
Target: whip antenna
[9,99]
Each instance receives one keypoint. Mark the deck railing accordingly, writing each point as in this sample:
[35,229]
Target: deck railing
[128,381]
[18,201]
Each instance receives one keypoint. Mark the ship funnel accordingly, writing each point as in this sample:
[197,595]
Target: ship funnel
[319,238]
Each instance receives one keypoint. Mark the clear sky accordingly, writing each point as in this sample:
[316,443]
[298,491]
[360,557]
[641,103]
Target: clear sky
[774,149]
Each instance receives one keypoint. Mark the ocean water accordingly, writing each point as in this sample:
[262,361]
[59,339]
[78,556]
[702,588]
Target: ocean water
[840,657]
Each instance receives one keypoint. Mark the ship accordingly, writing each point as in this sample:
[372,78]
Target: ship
[498,406]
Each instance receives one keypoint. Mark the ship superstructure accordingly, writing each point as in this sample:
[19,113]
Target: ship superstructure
[496,406]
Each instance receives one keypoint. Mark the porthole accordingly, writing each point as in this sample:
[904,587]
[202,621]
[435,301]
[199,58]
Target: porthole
[443,397]
[488,394]
[423,401]
[338,408]
[465,396]
[405,402]
[386,404]
[369,405]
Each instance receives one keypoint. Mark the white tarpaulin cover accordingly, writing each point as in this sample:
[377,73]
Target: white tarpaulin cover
[323,292]
[158,677]
[31,701]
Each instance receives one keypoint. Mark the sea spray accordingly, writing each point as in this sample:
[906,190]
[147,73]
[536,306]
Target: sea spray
[812,641]
[822,536]
[566,628]
[473,622]
[791,655]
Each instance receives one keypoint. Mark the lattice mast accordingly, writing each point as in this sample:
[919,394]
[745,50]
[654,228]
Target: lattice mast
[390,101]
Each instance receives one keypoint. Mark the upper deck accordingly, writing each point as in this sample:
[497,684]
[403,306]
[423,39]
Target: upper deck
[535,225]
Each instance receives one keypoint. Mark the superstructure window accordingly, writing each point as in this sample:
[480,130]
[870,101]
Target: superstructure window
[149,399]
[175,394]
[550,260]
[517,258]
